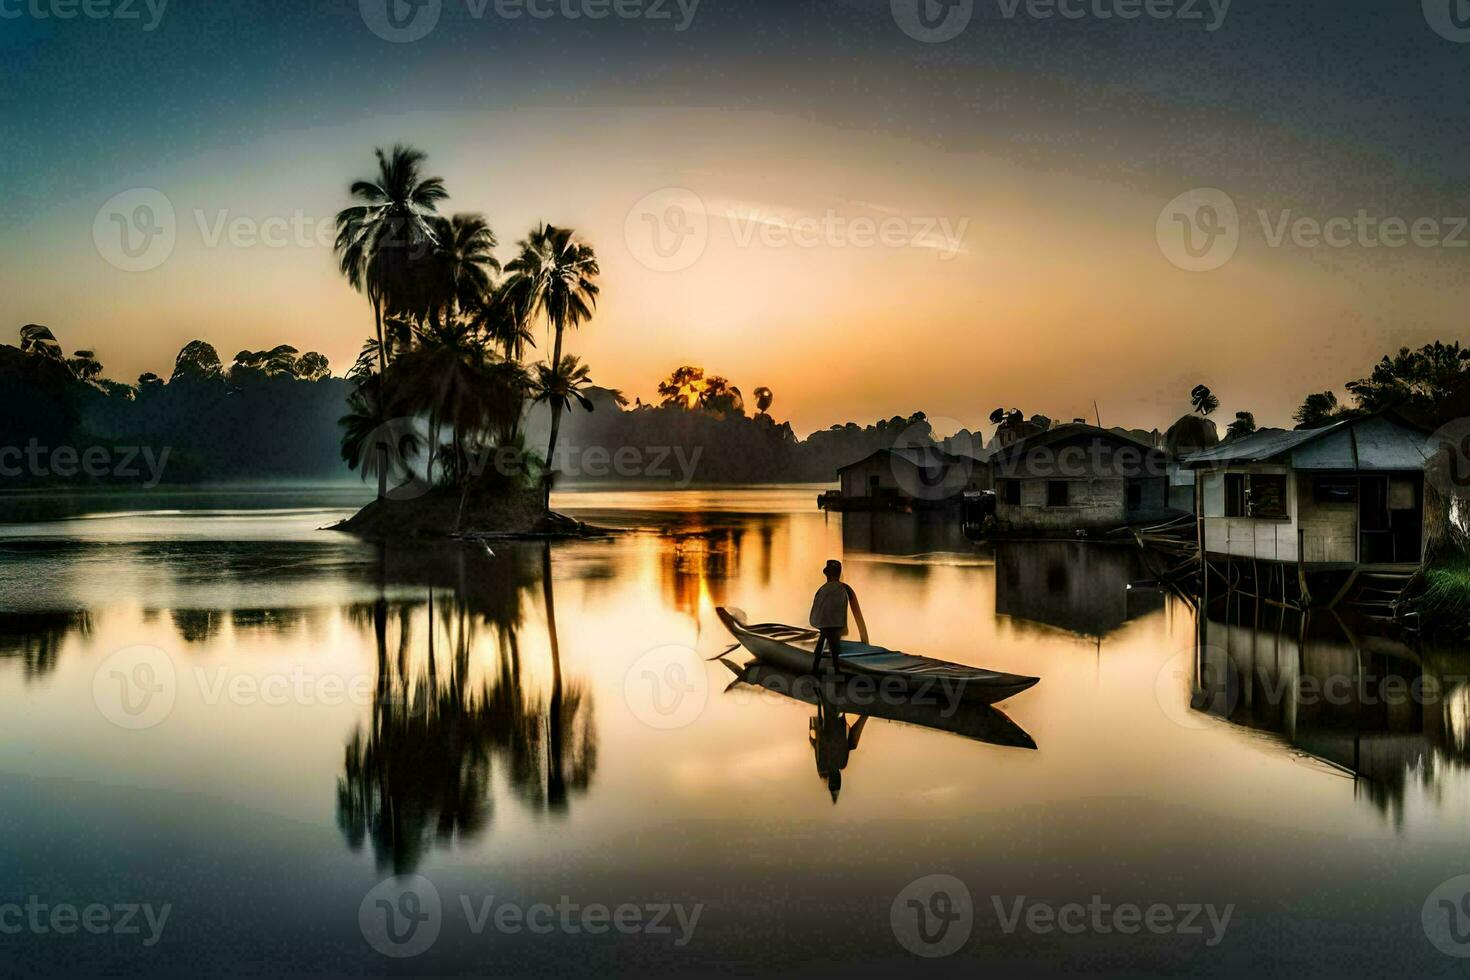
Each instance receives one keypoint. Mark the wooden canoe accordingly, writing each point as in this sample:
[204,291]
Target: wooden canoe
[791,648]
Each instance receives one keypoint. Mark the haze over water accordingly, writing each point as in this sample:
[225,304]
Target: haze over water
[341,713]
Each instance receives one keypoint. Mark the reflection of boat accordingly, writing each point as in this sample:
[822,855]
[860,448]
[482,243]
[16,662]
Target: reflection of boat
[791,648]
[966,717]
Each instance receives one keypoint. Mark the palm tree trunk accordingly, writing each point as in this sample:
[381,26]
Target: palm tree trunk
[555,424]
[382,396]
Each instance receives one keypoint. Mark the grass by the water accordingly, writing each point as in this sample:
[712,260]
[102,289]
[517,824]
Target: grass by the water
[1446,597]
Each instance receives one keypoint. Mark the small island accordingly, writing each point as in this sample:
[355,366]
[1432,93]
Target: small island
[441,388]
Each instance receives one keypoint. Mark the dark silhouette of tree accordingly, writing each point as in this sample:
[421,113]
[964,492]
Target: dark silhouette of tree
[197,360]
[1422,383]
[1203,400]
[763,399]
[462,268]
[1244,425]
[381,240]
[1318,409]
[36,339]
[553,275]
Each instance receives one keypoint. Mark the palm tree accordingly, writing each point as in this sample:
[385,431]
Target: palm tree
[36,339]
[453,377]
[564,385]
[553,274]
[1244,425]
[382,239]
[503,323]
[559,387]
[368,434]
[463,266]
[84,365]
[1203,400]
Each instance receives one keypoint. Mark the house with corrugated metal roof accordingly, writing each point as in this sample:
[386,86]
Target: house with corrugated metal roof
[1330,512]
[907,478]
[1079,479]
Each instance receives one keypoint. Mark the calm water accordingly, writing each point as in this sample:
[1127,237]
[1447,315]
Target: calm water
[210,704]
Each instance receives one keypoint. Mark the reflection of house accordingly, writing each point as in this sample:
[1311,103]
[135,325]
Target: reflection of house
[1367,705]
[1346,498]
[1071,585]
[905,478]
[903,534]
[1078,477]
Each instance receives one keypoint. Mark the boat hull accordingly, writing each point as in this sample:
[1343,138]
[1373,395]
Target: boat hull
[791,648]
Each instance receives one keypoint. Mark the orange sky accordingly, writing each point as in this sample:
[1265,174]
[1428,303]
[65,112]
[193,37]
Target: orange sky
[998,284]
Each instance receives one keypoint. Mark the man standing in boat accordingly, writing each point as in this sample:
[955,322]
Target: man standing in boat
[829,614]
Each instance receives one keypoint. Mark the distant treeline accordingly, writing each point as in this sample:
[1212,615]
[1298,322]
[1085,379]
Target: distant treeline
[276,415]
[267,415]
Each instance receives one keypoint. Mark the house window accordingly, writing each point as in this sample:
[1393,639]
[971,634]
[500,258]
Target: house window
[1258,495]
[1234,495]
[1056,493]
[1010,492]
[873,484]
[1133,495]
[1267,496]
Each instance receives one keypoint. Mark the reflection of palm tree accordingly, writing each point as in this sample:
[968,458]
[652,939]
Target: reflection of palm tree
[419,772]
[37,637]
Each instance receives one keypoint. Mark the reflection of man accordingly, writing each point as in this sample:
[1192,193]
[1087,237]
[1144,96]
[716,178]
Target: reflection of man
[829,614]
[832,740]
